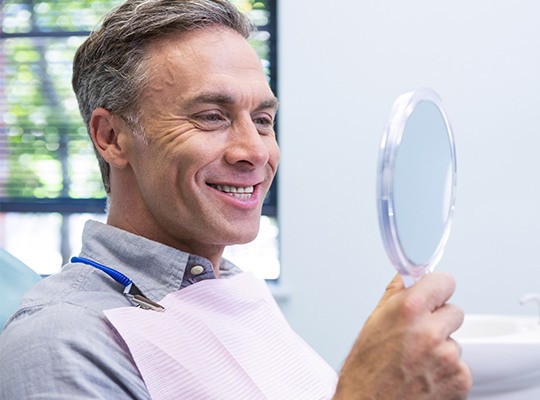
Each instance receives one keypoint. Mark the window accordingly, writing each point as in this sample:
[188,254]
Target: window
[49,178]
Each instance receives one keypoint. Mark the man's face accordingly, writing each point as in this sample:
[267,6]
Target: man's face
[210,152]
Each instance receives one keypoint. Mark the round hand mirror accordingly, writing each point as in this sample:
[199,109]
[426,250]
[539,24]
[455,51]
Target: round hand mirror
[416,183]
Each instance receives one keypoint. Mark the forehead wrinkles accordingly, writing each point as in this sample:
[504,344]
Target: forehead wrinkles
[192,61]
[220,89]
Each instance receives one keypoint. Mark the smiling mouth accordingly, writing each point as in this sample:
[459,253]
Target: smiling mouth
[240,192]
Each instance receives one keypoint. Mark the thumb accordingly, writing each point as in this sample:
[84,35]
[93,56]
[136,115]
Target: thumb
[394,287]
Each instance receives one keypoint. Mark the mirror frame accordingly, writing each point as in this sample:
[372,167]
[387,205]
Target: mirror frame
[402,109]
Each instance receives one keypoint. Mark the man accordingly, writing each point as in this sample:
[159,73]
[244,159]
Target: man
[181,118]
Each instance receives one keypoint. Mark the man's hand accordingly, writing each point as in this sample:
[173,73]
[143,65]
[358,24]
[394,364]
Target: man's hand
[404,350]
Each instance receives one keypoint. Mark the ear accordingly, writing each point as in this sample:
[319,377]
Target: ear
[109,136]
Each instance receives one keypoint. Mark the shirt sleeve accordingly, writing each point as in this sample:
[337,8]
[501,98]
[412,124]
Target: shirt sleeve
[64,351]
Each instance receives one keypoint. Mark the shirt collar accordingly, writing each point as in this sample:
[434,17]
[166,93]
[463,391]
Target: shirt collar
[155,268]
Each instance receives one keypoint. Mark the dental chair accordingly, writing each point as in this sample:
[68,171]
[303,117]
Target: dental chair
[15,279]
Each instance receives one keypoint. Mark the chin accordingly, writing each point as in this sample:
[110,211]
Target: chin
[244,237]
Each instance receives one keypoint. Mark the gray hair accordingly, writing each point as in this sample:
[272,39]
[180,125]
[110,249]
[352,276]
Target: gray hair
[109,67]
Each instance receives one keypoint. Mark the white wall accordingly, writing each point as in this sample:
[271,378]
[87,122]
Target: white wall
[342,64]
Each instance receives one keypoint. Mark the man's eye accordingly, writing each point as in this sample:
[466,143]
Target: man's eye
[263,121]
[264,124]
[213,117]
[211,120]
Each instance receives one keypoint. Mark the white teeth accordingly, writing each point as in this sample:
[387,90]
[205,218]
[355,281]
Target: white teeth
[240,192]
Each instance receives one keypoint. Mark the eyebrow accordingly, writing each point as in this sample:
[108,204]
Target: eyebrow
[270,102]
[226,99]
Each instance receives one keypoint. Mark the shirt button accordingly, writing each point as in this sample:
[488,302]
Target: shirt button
[197,270]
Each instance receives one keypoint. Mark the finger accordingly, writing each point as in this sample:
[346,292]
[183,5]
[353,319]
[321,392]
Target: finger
[453,347]
[454,371]
[449,317]
[395,286]
[434,289]
[458,345]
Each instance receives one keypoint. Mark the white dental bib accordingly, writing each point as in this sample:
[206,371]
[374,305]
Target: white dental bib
[222,339]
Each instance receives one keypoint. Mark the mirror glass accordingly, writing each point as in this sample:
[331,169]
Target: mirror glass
[416,183]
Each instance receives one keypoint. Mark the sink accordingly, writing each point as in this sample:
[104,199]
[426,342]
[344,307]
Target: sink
[503,353]
[497,328]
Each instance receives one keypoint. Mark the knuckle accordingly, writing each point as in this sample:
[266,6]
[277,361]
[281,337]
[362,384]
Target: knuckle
[458,313]
[411,305]
[450,356]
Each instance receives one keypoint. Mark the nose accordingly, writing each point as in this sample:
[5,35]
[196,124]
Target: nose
[246,146]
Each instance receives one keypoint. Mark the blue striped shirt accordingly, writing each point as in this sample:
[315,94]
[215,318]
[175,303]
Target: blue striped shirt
[59,344]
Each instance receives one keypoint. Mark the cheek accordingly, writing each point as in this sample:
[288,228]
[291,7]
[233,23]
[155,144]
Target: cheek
[152,167]
[176,158]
